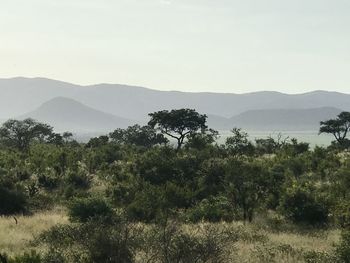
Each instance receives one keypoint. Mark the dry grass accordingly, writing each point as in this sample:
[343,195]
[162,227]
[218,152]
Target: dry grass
[15,238]
[320,243]
[254,245]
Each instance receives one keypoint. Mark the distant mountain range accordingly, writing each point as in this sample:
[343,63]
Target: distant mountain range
[69,115]
[107,106]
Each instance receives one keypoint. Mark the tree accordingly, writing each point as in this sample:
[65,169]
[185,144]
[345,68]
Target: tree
[178,124]
[145,136]
[98,141]
[338,127]
[20,134]
[239,143]
[201,140]
[246,185]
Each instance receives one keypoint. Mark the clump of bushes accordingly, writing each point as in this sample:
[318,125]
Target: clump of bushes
[172,242]
[303,205]
[213,209]
[84,209]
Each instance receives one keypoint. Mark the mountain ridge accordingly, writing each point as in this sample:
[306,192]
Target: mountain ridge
[22,95]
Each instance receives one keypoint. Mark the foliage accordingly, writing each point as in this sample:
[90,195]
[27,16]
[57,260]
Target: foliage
[12,201]
[338,127]
[214,209]
[99,240]
[169,242]
[238,143]
[82,210]
[144,136]
[302,204]
[178,124]
[116,183]
[32,257]
[20,134]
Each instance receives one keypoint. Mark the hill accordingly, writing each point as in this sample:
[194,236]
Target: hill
[20,95]
[69,115]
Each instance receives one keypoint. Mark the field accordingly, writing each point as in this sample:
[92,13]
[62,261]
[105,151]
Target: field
[257,242]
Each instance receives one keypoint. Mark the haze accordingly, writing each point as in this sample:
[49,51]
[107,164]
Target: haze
[188,45]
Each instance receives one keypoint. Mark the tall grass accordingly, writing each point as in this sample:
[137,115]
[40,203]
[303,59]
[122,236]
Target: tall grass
[15,237]
[255,244]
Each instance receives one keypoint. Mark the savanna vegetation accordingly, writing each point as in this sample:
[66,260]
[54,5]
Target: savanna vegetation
[168,192]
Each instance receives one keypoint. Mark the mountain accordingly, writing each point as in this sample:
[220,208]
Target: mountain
[283,119]
[20,95]
[66,114]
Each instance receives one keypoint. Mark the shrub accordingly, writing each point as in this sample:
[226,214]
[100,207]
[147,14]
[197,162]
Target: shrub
[81,210]
[342,249]
[93,241]
[302,205]
[213,209]
[78,180]
[171,242]
[48,181]
[32,257]
[12,201]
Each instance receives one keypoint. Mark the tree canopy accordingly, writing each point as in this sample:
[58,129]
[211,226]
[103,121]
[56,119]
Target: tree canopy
[20,133]
[178,124]
[338,127]
[145,136]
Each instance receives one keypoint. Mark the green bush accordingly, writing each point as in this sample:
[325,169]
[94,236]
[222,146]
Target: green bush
[170,242]
[32,257]
[12,201]
[213,209]
[302,205]
[48,181]
[93,241]
[82,210]
[78,179]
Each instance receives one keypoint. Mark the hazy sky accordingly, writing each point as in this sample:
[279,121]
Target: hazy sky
[191,45]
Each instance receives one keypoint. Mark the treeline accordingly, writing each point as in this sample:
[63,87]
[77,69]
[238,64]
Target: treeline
[133,175]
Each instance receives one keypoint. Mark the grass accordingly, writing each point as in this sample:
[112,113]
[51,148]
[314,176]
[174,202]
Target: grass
[255,244]
[15,238]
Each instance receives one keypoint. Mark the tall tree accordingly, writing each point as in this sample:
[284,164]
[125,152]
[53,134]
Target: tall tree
[21,133]
[178,124]
[338,127]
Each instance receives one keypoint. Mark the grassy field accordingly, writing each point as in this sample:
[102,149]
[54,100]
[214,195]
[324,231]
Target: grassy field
[15,238]
[256,243]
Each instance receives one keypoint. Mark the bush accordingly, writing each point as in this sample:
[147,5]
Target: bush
[170,242]
[302,205]
[48,181]
[78,180]
[93,241]
[82,210]
[213,209]
[12,201]
[342,250]
[32,257]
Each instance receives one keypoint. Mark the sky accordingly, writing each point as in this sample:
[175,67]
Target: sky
[235,46]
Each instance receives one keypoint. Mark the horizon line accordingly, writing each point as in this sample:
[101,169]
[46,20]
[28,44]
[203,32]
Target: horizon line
[180,91]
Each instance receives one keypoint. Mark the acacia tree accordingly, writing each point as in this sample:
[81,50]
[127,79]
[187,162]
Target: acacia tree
[178,124]
[21,133]
[338,127]
[138,135]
